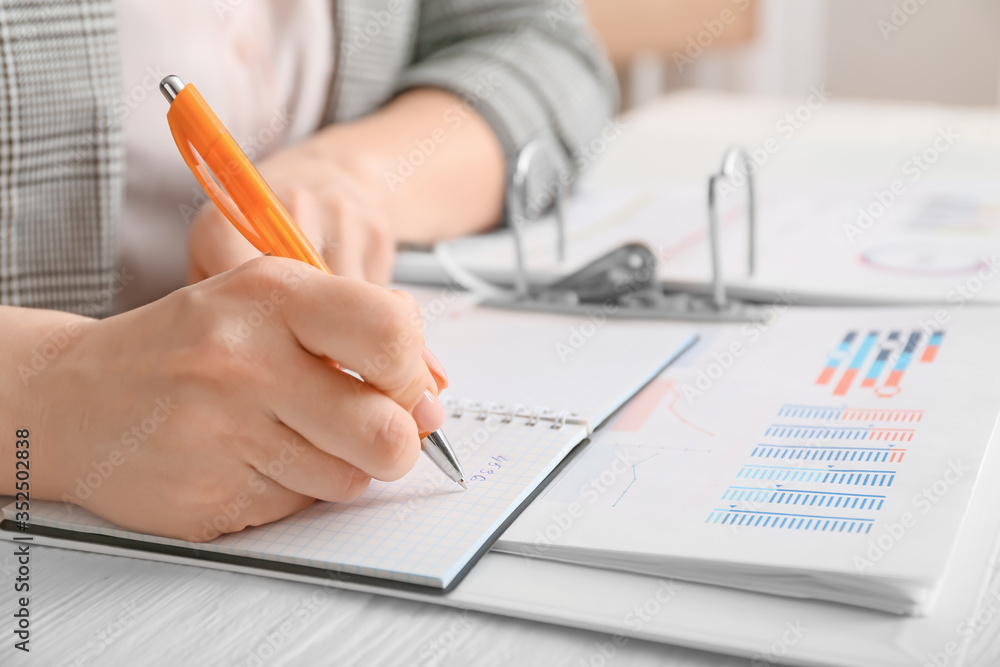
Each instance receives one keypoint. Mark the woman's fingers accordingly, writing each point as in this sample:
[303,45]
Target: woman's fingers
[347,420]
[290,459]
[380,253]
[381,338]
[340,242]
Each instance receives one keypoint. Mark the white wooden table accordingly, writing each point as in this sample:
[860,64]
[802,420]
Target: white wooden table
[90,609]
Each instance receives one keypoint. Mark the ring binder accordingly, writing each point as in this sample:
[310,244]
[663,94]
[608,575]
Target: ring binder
[625,278]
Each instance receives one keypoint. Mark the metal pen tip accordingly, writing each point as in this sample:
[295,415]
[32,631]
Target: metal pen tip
[464,485]
[440,452]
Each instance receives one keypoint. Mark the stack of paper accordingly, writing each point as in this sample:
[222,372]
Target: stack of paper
[830,455]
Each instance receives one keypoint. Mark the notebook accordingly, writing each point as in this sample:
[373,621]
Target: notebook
[526,390]
[830,455]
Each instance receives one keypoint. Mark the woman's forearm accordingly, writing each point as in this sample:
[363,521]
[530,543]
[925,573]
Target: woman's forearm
[435,161]
[34,340]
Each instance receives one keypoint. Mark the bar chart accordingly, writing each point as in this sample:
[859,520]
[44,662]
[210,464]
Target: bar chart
[824,468]
[877,361]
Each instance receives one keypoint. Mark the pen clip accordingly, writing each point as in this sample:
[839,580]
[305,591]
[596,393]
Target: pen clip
[214,191]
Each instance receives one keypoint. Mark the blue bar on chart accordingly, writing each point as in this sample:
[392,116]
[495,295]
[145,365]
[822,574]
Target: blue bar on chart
[833,362]
[891,386]
[881,364]
[856,363]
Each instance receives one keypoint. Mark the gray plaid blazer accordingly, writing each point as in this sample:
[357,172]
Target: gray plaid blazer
[530,67]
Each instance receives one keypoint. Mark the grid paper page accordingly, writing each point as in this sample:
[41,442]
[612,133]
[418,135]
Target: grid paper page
[422,529]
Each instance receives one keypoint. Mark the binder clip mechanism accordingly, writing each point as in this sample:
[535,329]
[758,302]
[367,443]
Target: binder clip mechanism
[624,281]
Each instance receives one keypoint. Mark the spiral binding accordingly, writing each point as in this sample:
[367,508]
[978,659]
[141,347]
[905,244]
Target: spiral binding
[481,410]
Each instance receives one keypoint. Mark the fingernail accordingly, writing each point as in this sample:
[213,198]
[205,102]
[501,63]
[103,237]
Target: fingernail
[436,369]
[428,413]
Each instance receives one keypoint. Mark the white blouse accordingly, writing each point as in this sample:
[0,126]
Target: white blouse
[265,68]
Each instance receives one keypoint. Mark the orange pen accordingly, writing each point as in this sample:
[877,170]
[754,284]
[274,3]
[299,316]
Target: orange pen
[240,192]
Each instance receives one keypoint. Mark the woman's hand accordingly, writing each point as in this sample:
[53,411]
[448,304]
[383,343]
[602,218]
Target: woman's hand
[218,407]
[339,207]
[347,188]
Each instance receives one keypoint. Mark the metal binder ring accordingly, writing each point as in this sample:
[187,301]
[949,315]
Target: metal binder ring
[734,158]
[517,204]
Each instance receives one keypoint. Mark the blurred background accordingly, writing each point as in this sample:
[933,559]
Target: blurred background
[919,50]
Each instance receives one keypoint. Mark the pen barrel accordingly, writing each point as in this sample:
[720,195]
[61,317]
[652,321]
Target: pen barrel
[239,190]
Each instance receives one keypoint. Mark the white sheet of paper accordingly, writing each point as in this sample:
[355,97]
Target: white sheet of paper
[790,460]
